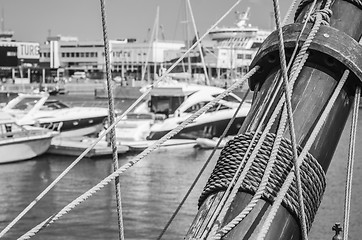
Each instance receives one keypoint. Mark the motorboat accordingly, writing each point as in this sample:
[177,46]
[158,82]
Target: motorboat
[19,143]
[172,105]
[39,110]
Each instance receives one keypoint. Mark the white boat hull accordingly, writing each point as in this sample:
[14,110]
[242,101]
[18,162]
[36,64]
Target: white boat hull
[82,131]
[22,149]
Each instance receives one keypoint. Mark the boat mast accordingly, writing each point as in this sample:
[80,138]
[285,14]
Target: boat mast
[155,45]
[189,70]
[333,53]
[207,81]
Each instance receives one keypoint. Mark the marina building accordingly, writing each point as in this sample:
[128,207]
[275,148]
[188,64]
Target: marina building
[227,54]
[127,56]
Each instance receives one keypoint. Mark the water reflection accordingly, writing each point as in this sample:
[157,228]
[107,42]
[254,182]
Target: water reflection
[151,191]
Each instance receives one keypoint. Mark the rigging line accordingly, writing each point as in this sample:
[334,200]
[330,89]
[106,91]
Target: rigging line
[149,50]
[111,118]
[288,181]
[92,144]
[289,12]
[350,163]
[297,58]
[288,95]
[139,157]
[198,45]
[205,164]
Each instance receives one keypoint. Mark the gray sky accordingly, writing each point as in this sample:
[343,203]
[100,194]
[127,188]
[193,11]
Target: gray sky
[33,20]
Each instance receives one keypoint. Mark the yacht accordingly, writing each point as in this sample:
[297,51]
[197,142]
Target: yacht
[19,143]
[39,110]
[180,103]
[169,105]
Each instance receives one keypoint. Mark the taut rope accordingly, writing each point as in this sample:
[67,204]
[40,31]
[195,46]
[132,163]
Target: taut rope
[111,118]
[288,96]
[350,163]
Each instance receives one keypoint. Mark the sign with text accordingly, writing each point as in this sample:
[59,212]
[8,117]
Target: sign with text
[28,50]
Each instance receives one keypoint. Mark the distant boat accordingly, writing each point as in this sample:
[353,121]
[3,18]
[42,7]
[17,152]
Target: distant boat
[19,143]
[241,30]
[38,110]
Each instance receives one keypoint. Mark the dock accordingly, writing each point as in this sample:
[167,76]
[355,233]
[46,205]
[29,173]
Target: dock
[75,147]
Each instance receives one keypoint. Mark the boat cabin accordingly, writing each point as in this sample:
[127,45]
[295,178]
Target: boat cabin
[167,100]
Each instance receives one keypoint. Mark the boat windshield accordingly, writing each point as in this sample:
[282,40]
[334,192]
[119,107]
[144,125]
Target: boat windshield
[26,103]
[54,105]
[165,104]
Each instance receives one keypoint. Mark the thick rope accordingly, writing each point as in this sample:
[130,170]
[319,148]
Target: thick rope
[289,12]
[312,173]
[111,118]
[300,8]
[102,135]
[357,3]
[289,179]
[259,193]
[205,165]
[288,96]
[132,162]
[350,163]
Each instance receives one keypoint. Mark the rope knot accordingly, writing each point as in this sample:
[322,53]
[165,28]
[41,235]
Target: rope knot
[323,14]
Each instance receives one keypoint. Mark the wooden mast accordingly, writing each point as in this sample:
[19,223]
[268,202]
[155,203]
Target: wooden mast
[333,50]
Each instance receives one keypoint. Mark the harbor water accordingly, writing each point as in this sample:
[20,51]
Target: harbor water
[151,191]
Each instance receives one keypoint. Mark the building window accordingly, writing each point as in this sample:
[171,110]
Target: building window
[82,54]
[87,54]
[72,54]
[63,54]
[240,56]
[67,54]
[77,54]
[248,56]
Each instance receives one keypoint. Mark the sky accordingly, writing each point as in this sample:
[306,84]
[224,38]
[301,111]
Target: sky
[36,19]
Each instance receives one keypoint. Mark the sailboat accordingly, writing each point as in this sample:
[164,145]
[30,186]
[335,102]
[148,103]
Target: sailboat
[269,180]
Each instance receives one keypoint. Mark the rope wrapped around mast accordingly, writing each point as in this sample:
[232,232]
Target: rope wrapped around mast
[313,176]
[303,3]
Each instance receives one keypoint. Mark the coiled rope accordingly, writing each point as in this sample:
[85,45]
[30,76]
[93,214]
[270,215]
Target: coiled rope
[102,135]
[111,117]
[233,153]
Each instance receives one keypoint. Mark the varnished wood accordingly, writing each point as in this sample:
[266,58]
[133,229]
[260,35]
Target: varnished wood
[312,91]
